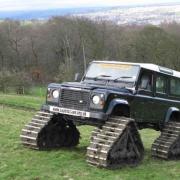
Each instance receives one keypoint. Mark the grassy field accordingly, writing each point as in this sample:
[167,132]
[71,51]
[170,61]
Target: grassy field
[20,101]
[39,91]
[17,162]
[32,101]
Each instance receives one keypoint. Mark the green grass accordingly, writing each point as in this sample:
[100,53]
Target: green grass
[22,101]
[39,91]
[19,163]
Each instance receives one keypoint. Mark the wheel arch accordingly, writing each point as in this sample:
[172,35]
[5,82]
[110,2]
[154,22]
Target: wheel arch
[172,112]
[116,104]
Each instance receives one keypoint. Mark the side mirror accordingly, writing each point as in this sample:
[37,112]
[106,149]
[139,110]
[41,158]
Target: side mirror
[77,77]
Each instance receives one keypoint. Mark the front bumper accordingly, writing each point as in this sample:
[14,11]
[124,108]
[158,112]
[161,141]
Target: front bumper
[72,112]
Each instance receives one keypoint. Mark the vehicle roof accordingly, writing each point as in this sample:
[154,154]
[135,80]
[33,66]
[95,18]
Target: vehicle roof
[149,66]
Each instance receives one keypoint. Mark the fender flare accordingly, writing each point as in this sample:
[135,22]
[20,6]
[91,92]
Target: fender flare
[114,103]
[169,113]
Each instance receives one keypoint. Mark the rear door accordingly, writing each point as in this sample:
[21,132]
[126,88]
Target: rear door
[161,103]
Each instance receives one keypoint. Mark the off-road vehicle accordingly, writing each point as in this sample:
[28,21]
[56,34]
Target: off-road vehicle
[118,98]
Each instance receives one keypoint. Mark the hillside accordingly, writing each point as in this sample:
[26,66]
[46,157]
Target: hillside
[140,15]
[46,13]
[20,163]
[123,15]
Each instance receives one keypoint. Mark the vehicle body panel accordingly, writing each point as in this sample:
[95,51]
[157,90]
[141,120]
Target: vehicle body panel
[146,106]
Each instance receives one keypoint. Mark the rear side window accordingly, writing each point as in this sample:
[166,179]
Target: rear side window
[161,84]
[175,87]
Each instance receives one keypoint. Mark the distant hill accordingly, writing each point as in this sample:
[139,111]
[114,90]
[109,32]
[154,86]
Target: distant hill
[45,14]
[144,14]
[154,14]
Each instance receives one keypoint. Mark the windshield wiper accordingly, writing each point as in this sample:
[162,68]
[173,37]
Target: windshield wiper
[101,75]
[122,77]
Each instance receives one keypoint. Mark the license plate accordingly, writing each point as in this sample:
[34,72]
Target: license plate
[69,111]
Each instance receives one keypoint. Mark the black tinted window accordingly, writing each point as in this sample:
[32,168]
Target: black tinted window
[161,84]
[175,87]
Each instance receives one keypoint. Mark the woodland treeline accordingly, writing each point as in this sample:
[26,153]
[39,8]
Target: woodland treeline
[53,51]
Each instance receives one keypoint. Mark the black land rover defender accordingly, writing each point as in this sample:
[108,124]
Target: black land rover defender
[118,98]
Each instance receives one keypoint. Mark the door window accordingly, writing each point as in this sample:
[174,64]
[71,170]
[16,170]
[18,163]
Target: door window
[146,82]
[161,84]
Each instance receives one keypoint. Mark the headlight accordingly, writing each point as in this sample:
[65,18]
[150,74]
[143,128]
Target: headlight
[55,94]
[96,99]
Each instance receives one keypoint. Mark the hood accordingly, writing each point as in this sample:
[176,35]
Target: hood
[103,87]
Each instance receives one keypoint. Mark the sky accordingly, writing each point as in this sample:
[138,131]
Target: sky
[13,5]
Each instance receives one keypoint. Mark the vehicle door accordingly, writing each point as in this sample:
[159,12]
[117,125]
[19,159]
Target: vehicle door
[142,108]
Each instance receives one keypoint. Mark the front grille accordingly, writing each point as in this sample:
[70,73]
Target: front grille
[74,99]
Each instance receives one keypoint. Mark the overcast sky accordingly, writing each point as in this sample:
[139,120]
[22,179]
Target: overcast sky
[11,5]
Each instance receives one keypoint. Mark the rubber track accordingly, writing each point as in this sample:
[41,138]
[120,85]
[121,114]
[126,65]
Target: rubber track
[103,140]
[29,134]
[164,144]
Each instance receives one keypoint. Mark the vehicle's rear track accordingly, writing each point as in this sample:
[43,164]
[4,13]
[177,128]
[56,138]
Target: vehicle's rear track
[115,144]
[167,145]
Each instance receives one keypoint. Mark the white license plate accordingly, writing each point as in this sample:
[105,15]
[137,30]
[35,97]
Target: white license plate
[69,111]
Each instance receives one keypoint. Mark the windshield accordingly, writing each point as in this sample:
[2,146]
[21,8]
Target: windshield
[111,71]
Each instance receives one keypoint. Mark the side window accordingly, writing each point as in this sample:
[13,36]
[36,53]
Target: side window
[146,82]
[161,82]
[175,87]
